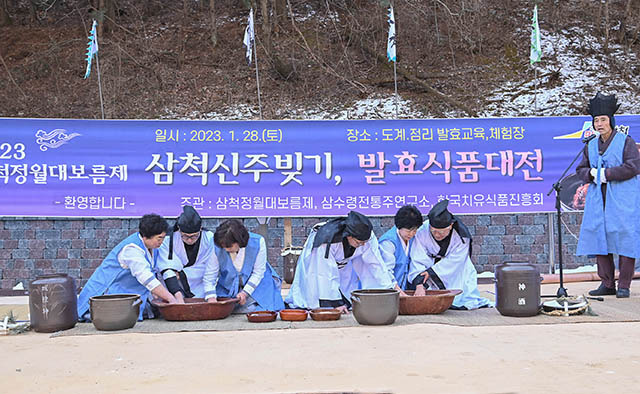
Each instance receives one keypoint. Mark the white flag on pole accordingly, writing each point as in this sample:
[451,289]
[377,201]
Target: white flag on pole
[391,39]
[536,50]
[249,38]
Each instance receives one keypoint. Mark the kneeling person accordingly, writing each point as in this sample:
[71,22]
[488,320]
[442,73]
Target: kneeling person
[395,244]
[350,260]
[441,259]
[240,269]
[184,254]
[130,268]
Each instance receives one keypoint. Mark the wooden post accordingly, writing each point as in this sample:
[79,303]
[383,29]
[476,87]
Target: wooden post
[287,232]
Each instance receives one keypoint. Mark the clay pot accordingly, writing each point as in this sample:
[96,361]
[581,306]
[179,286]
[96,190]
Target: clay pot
[517,289]
[324,314]
[197,309]
[375,306]
[114,311]
[53,304]
[290,256]
[436,301]
[293,314]
[261,316]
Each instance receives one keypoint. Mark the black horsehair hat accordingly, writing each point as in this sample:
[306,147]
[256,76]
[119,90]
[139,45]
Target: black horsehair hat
[439,216]
[603,105]
[189,221]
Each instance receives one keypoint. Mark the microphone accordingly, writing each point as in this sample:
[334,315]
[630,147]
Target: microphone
[589,138]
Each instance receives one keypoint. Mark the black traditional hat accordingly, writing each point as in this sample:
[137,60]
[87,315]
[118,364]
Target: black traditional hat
[189,221]
[358,226]
[439,215]
[355,224]
[603,105]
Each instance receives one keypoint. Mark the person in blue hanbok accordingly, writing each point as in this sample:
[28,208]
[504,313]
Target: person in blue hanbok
[611,221]
[441,259]
[184,254]
[130,268]
[339,256]
[239,269]
[395,244]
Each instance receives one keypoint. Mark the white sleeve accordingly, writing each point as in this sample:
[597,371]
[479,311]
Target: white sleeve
[259,268]
[164,264]
[388,254]
[133,258]
[420,259]
[210,277]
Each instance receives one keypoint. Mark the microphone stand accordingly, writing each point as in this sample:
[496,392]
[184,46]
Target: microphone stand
[562,292]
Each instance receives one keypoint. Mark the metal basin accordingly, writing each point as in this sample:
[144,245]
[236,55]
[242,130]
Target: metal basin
[114,311]
[375,306]
[196,309]
[436,301]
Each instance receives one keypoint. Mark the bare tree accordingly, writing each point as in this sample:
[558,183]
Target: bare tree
[5,19]
[214,31]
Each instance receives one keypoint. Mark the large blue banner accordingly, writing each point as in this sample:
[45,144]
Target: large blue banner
[126,168]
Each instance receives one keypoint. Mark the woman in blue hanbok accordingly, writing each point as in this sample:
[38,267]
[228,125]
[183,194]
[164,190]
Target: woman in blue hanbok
[239,269]
[130,268]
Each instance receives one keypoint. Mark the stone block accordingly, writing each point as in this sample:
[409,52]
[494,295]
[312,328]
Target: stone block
[497,230]
[492,240]
[524,239]
[492,249]
[61,224]
[20,254]
[483,220]
[533,229]
[47,234]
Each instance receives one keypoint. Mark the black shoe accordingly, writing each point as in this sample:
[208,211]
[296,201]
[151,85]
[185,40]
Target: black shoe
[622,293]
[603,290]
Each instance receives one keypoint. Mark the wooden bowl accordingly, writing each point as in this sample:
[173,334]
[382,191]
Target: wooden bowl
[293,314]
[324,314]
[436,301]
[197,309]
[261,316]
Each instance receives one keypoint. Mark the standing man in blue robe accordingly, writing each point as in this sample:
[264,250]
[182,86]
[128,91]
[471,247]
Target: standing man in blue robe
[395,244]
[339,256]
[441,259]
[239,269]
[184,254]
[611,221]
[130,268]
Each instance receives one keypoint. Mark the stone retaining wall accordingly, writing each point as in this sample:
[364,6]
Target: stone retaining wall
[34,246]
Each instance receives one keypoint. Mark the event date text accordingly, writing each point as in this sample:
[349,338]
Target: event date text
[175,135]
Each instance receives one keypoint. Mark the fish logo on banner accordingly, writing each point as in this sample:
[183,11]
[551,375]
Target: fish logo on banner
[391,39]
[92,48]
[53,139]
[249,38]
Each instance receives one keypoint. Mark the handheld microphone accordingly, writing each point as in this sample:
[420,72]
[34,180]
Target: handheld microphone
[589,138]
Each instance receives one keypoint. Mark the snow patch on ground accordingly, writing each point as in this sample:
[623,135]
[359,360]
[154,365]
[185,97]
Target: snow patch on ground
[573,68]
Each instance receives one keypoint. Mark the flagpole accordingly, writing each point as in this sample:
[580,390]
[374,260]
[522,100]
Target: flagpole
[395,83]
[535,94]
[255,54]
[99,84]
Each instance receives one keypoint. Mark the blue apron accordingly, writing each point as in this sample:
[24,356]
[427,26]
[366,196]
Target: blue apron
[111,278]
[267,293]
[401,269]
[616,228]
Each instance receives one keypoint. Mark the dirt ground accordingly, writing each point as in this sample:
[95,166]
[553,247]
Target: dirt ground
[571,358]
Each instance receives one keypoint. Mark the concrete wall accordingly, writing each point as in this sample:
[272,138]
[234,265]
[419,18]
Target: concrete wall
[34,246]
